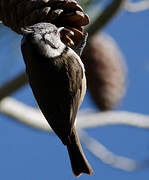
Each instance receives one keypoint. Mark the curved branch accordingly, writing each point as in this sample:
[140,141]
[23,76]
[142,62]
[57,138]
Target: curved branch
[24,114]
[94,119]
[34,118]
[136,6]
[85,119]
[103,18]
[11,86]
[108,157]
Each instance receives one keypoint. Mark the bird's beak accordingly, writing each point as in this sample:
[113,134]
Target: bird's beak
[60,29]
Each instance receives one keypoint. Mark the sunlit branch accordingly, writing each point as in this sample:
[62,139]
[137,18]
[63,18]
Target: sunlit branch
[136,6]
[107,157]
[86,119]
[32,117]
[24,114]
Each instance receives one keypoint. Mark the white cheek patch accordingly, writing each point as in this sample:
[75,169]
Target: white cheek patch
[46,49]
[51,52]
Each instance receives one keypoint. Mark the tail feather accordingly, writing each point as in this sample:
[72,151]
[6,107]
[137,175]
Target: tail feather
[78,160]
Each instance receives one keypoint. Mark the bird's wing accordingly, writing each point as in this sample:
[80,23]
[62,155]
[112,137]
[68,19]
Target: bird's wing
[75,74]
[58,89]
[72,87]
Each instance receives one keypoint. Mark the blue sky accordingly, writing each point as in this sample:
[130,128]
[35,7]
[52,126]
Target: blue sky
[30,154]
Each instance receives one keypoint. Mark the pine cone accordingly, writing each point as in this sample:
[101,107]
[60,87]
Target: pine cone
[105,71]
[20,13]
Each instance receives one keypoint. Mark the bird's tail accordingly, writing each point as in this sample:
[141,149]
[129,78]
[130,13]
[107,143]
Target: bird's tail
[78,160]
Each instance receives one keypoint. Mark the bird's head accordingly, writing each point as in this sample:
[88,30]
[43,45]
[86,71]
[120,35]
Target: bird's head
[46,37]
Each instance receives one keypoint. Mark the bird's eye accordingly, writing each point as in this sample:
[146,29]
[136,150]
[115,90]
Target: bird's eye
[55,32]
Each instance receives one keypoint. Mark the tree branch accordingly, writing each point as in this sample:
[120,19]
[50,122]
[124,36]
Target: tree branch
[107,157]
[85,119]
[11,86]
[24,114]
[136,6]
[103,18]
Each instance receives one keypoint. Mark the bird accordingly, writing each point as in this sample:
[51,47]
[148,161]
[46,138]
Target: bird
[56,75]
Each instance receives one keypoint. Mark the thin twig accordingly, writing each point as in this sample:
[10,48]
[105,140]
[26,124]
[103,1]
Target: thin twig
[13,85]
[136,6]
[108,157]
[103,18]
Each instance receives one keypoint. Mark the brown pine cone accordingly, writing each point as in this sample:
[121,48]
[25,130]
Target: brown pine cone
[105,71]
[20,13]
